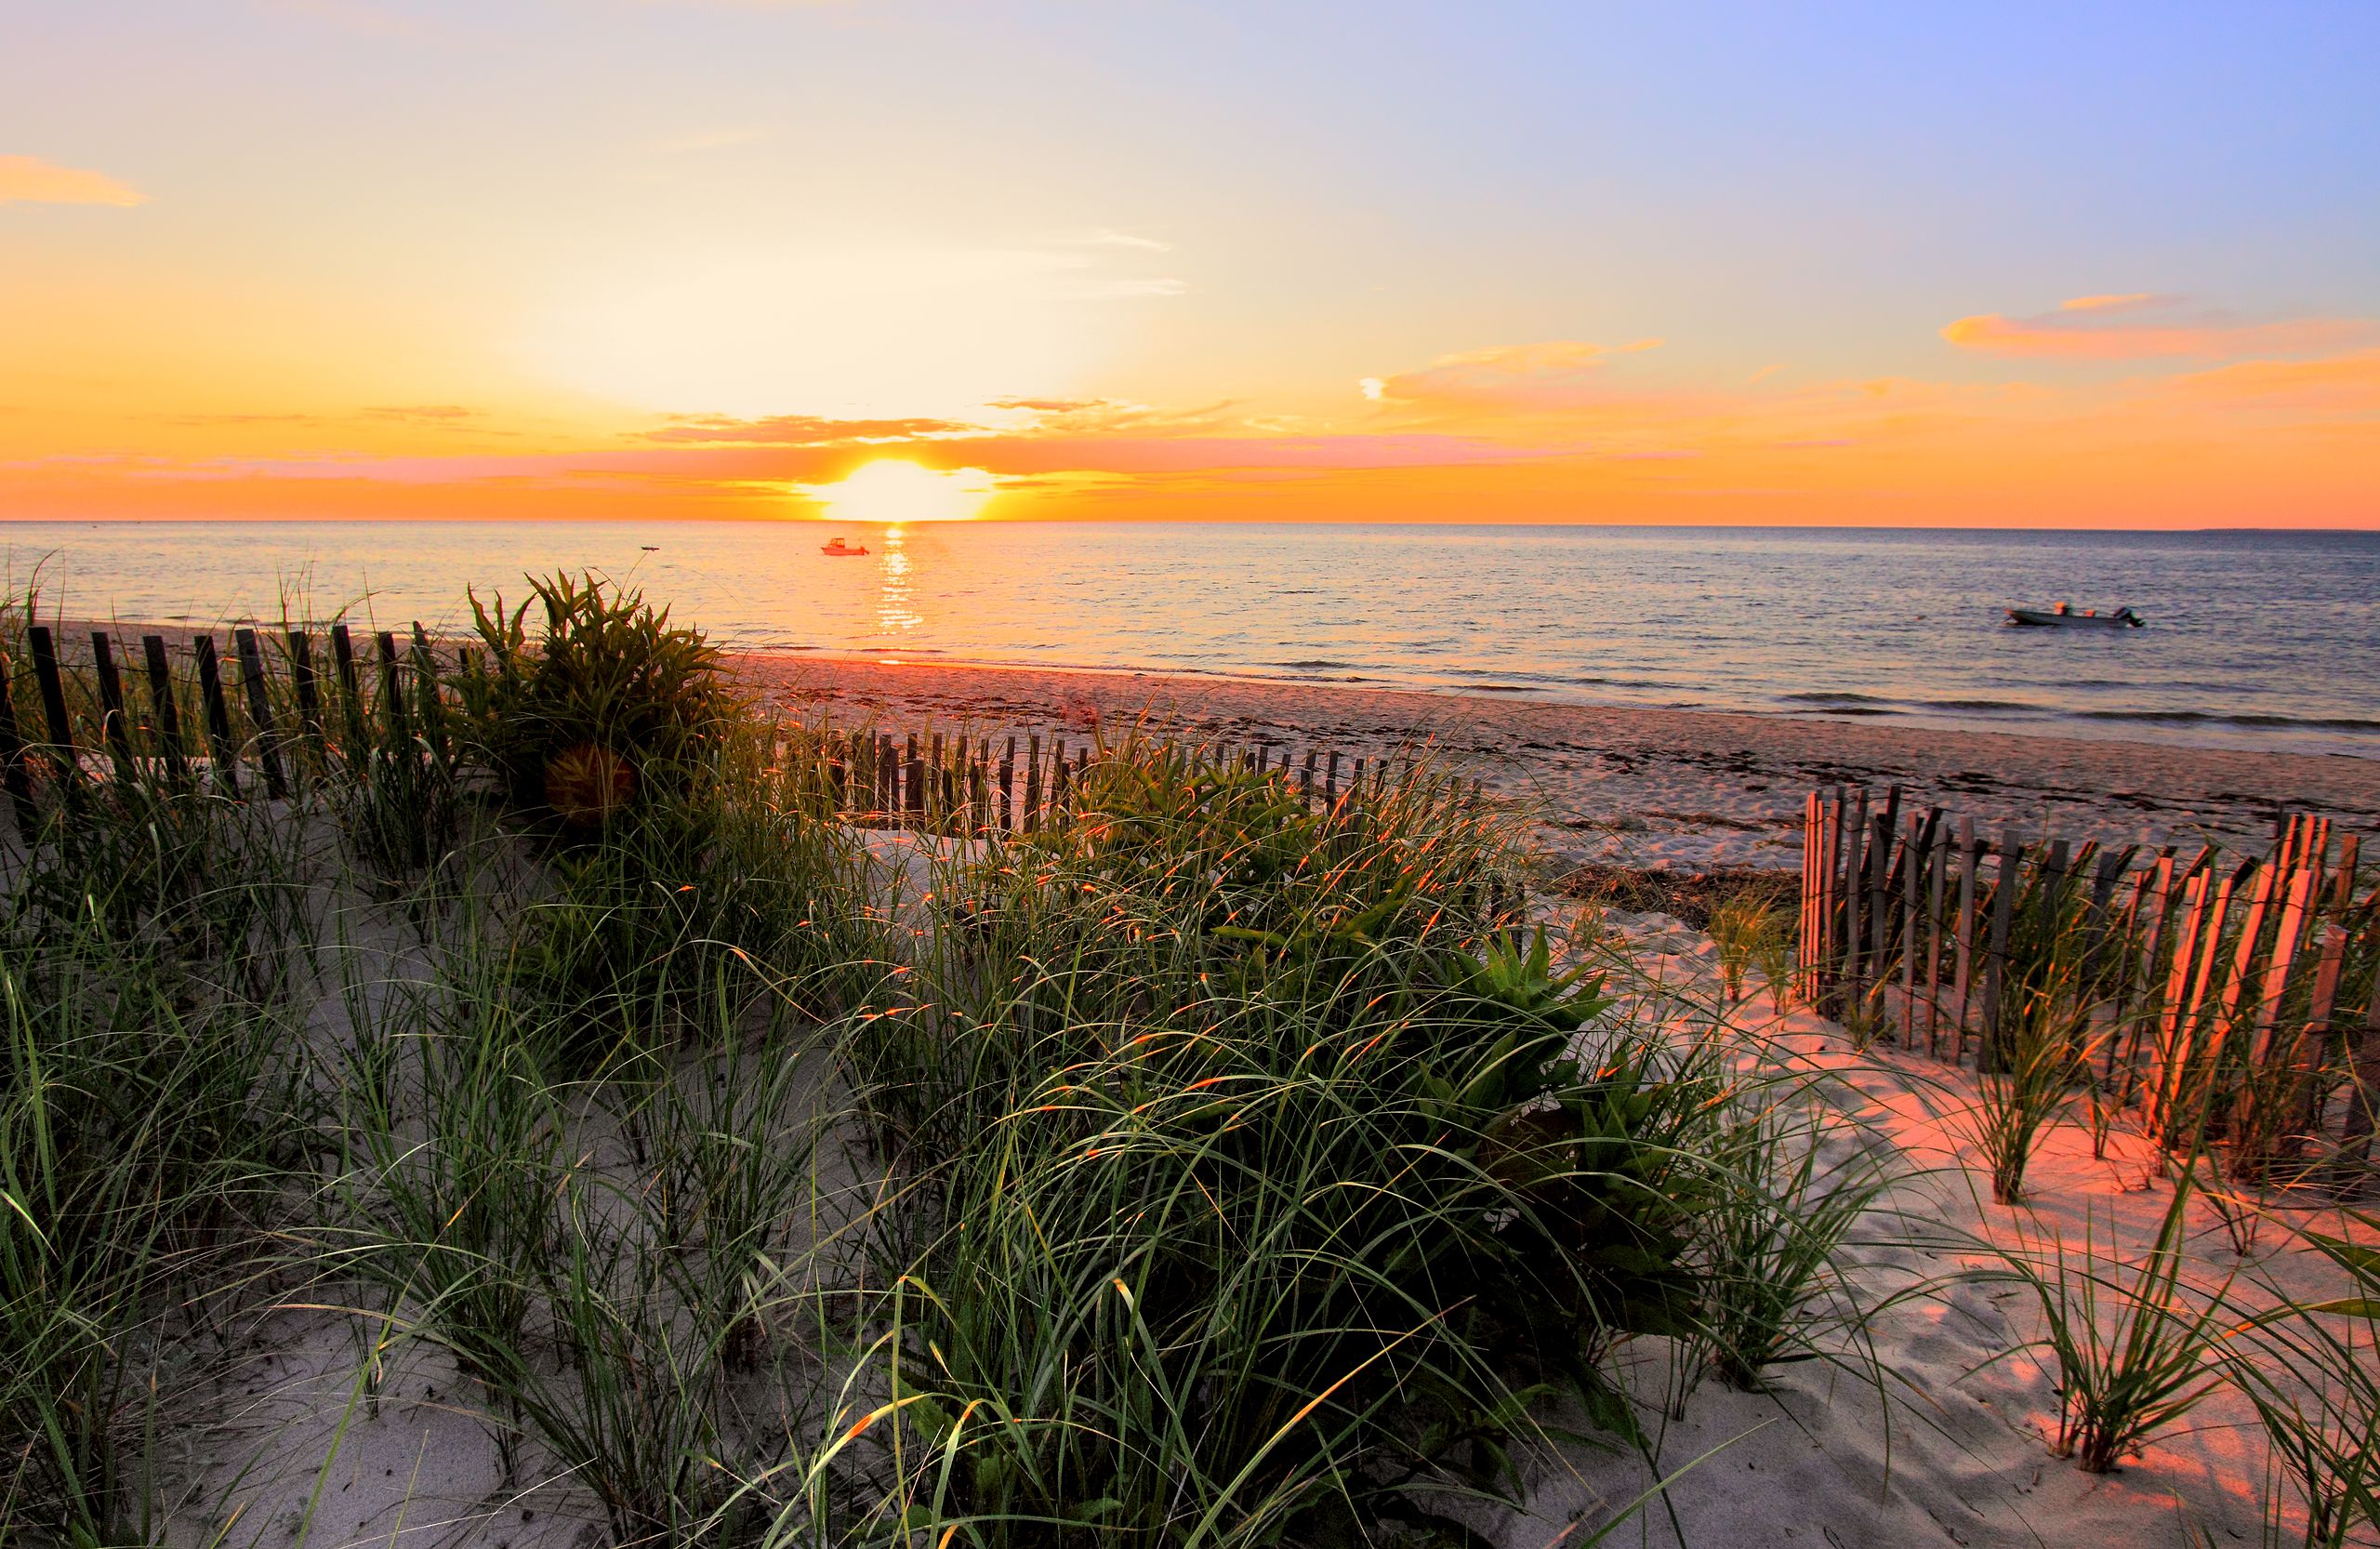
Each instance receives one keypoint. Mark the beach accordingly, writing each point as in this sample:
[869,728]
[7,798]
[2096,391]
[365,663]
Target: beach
[1917,1402]
[1623,785]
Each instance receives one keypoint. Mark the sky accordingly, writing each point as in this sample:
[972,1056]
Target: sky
[2101,266]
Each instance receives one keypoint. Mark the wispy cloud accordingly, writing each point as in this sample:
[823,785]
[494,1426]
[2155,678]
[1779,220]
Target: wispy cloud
[1130,289]
[795,430]
[2347,384]
[31,180]
[422,413]
[1557,374]
[2144,325]
[1106,237]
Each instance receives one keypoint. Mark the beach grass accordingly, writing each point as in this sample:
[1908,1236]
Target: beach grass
[1203,1165]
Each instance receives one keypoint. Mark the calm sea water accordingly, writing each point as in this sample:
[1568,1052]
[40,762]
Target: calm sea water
[2254,638]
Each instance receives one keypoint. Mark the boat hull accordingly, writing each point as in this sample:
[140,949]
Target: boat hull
[2037,618]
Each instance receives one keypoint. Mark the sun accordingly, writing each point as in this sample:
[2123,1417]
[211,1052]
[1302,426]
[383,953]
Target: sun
[892,491]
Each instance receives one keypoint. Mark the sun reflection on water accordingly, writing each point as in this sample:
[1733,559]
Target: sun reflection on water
[895,605]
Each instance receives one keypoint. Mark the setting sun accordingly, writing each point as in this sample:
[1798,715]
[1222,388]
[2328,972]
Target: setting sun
[893,491]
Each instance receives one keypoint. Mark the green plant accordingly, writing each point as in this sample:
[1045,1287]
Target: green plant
[142,1124]
[1749,929]
[609,711]
[397,808]
[2312,1370]
[2042,1058]
[1268,1192]
[2132,1356]
[1773,955]
[1770,1244]
[746,905]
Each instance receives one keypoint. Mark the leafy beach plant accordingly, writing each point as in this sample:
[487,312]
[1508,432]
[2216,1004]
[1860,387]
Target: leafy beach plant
[608,710]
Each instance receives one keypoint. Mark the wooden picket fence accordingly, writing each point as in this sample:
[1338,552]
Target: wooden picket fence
[294,712]
[2164,974]
[306,705]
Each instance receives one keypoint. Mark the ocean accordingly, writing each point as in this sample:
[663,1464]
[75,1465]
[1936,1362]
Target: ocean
[2254,638]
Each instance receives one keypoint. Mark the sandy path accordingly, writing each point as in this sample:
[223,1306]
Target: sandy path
[1648,787]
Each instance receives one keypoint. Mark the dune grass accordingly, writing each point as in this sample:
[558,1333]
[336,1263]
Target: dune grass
[1206,1166]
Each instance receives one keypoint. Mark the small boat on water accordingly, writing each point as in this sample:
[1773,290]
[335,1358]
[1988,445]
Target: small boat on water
[2064,617]
[839,549]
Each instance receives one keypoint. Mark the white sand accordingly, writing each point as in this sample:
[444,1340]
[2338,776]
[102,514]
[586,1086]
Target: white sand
[1927,1433]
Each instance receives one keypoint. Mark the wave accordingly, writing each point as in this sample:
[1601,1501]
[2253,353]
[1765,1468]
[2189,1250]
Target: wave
[1314,664]
[1832,699]
[1986,706]
[2252,720]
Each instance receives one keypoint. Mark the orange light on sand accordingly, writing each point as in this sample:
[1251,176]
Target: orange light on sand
[889,491]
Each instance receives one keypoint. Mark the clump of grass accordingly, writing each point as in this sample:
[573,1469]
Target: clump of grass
[2133,1353]
[1274,1180]
[143,1119]
[398,809]
[1217,1166]
[1771,1246]
[2019,1101]
[2312,1370]
[1751,930]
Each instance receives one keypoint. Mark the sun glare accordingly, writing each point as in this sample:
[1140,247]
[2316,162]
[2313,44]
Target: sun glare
[890,491]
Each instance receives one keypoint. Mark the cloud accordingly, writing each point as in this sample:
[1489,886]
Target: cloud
[2345,384]
[422,413]
[800,430]
[2144,325]
[1108,290]
[31,180]
[1110,416]
[1048,406]
[1558,374]
[1106,237]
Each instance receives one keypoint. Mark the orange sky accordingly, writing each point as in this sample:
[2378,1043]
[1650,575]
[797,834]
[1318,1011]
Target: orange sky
[348,266]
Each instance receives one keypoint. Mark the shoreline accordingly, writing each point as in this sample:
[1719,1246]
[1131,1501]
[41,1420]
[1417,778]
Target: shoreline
[1625,784]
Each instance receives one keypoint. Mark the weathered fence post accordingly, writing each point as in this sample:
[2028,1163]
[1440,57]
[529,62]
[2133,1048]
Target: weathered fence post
[350,683]
[1008,784]
[12,759]
[1854,835]
[310,702]
[1992,1047]
[114,723]
[220,746]
[253,685]
[168,721]
[427,705]
[52,683]
[1940,851]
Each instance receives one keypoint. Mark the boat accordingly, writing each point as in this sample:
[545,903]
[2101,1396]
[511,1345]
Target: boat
[2063,616]
[839,549]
